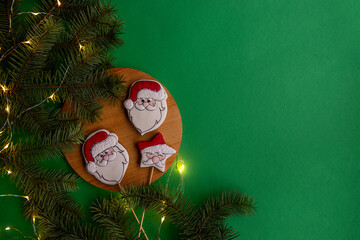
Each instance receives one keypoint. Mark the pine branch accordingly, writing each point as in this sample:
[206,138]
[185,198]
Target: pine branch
[176,208]
[114,217]
[48,146]
[216,209]
[224,232]
[42,196]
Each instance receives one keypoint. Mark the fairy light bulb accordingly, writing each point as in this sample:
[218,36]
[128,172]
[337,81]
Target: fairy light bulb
[181,166]
[7,109]
[6,146]
[9,171]
[52,96]
[162,219]
[3,88]
[7,228]
[81,47]
[33,219]
[35,13]
[27,197]
[59,3]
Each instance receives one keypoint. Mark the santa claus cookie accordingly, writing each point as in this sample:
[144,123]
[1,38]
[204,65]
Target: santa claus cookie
[155,152]
[146,105]
[105,158]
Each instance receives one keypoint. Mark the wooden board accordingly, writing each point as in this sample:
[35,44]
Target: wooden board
[115,120]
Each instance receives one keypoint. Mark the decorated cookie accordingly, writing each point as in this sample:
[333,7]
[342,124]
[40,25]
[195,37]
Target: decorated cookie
[146,105]
[105,158]
[155,152]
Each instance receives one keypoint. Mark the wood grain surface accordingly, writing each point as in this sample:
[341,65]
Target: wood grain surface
[115,120]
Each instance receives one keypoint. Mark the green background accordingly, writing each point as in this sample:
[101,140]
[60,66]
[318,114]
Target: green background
[269,94]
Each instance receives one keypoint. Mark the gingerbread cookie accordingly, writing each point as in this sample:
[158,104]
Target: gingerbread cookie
[105,158]
[146,105]
[155,152]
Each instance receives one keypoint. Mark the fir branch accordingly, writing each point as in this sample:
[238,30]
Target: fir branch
[38,44]
[217,208]
[48,146]
[45,194]
[114,216]
[177,209]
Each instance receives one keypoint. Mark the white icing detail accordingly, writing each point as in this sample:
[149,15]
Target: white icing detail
[99,147]
[146,121]
[91,167]
[147,93]
[146,162]
[128,104]
[161,148]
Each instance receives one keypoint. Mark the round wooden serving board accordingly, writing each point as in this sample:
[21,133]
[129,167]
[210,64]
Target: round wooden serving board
[115,120]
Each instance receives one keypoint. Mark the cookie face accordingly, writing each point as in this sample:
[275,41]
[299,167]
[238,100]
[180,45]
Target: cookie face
[146,105]
[105,157]
[154,153]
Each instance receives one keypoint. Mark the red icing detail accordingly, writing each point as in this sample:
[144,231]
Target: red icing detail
[157,140]
[153,86]
[98,137]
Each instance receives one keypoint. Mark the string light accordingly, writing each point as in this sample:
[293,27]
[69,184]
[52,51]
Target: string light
[7,229]
[6,146]
[7,109]
[81,47]
[162,220]
[181,166]
[9,172]
[33,13]
[28,42]
[4,88]
[59,3]
[51,96]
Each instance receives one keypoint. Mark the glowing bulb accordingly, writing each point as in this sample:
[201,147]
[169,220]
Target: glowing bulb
[162,219]
[7,108]
[9,172]
[33,218]
[27,197]
[6,146]
[52,96]
[81,47]
[181,168]
[3,88]
[59,3]
[35,13]
[7,228]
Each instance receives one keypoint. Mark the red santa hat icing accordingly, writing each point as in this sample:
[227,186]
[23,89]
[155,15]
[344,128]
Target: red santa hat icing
[95,144]
[157,144]
[145,89]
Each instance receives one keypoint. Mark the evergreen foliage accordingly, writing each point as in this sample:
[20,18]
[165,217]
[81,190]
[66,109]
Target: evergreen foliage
[205,222]
[61,50]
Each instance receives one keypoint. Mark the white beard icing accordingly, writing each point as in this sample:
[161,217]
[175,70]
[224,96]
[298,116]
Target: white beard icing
[145,120]
[114,170]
